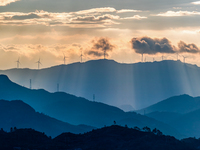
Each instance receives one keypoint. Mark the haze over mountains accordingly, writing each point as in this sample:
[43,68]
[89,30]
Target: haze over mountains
[139,85]
[76,110]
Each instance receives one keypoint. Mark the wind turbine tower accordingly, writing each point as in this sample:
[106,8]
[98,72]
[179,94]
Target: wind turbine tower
[58,87]
[94,97]
[142,57]
[64,58]
[18,63]
[184,57]
[177,56]
[30,84]
[81,56]
[39,63]
[163,57]
[104,53]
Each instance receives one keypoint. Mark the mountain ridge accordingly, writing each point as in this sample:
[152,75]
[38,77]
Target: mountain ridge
[17,114]
[77,110]
[113,83]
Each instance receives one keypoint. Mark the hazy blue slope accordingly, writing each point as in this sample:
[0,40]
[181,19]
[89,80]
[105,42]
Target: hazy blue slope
[188,124]
[177,104]
[138,85]
[76,110]
[19,114]
[165,117]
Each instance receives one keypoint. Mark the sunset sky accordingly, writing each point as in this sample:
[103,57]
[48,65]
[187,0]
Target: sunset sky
[49,29]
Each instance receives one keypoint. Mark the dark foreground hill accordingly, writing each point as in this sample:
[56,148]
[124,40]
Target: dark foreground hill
[107,138]
[76,110]
[139,85]
[20,115]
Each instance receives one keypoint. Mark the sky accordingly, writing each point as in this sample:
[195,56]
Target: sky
[120,30]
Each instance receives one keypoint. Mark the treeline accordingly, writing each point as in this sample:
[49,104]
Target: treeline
[108,138]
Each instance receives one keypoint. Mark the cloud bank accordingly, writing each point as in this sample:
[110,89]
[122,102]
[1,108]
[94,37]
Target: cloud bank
[147,45]
[188,48]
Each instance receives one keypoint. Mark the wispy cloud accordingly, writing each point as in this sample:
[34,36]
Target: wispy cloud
[127,10]
[6,2]
[196,3]
[137,17]
[80,19]
[178,13]
[93,18]
[96,10]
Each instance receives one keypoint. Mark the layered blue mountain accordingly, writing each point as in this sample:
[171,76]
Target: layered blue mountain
[188,124]
[139,85]
[17,114]
[177,104]
[181,112]
[77,110]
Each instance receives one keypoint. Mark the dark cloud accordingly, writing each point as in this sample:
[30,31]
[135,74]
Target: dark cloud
[22,17]
[96,53]
[100,47]
[189,48]
[147,45]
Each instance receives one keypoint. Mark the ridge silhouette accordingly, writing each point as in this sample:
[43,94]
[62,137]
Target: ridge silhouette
[77,110]
[139,85]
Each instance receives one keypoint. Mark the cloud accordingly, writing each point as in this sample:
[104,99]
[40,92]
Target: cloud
[96,10]
[6,2]
[137,17]
[100,47]
[23,17]
[147,45]
[94,19]
[178,13]
[196,3]
[188,48]
[57,19]
[127,11]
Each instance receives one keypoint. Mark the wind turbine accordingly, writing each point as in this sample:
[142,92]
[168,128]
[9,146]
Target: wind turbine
[184,57]
[39,63]
[64,58]
[163,57]
[18,63]
[177,56]
[81,56]
[142,57]
[145,59]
